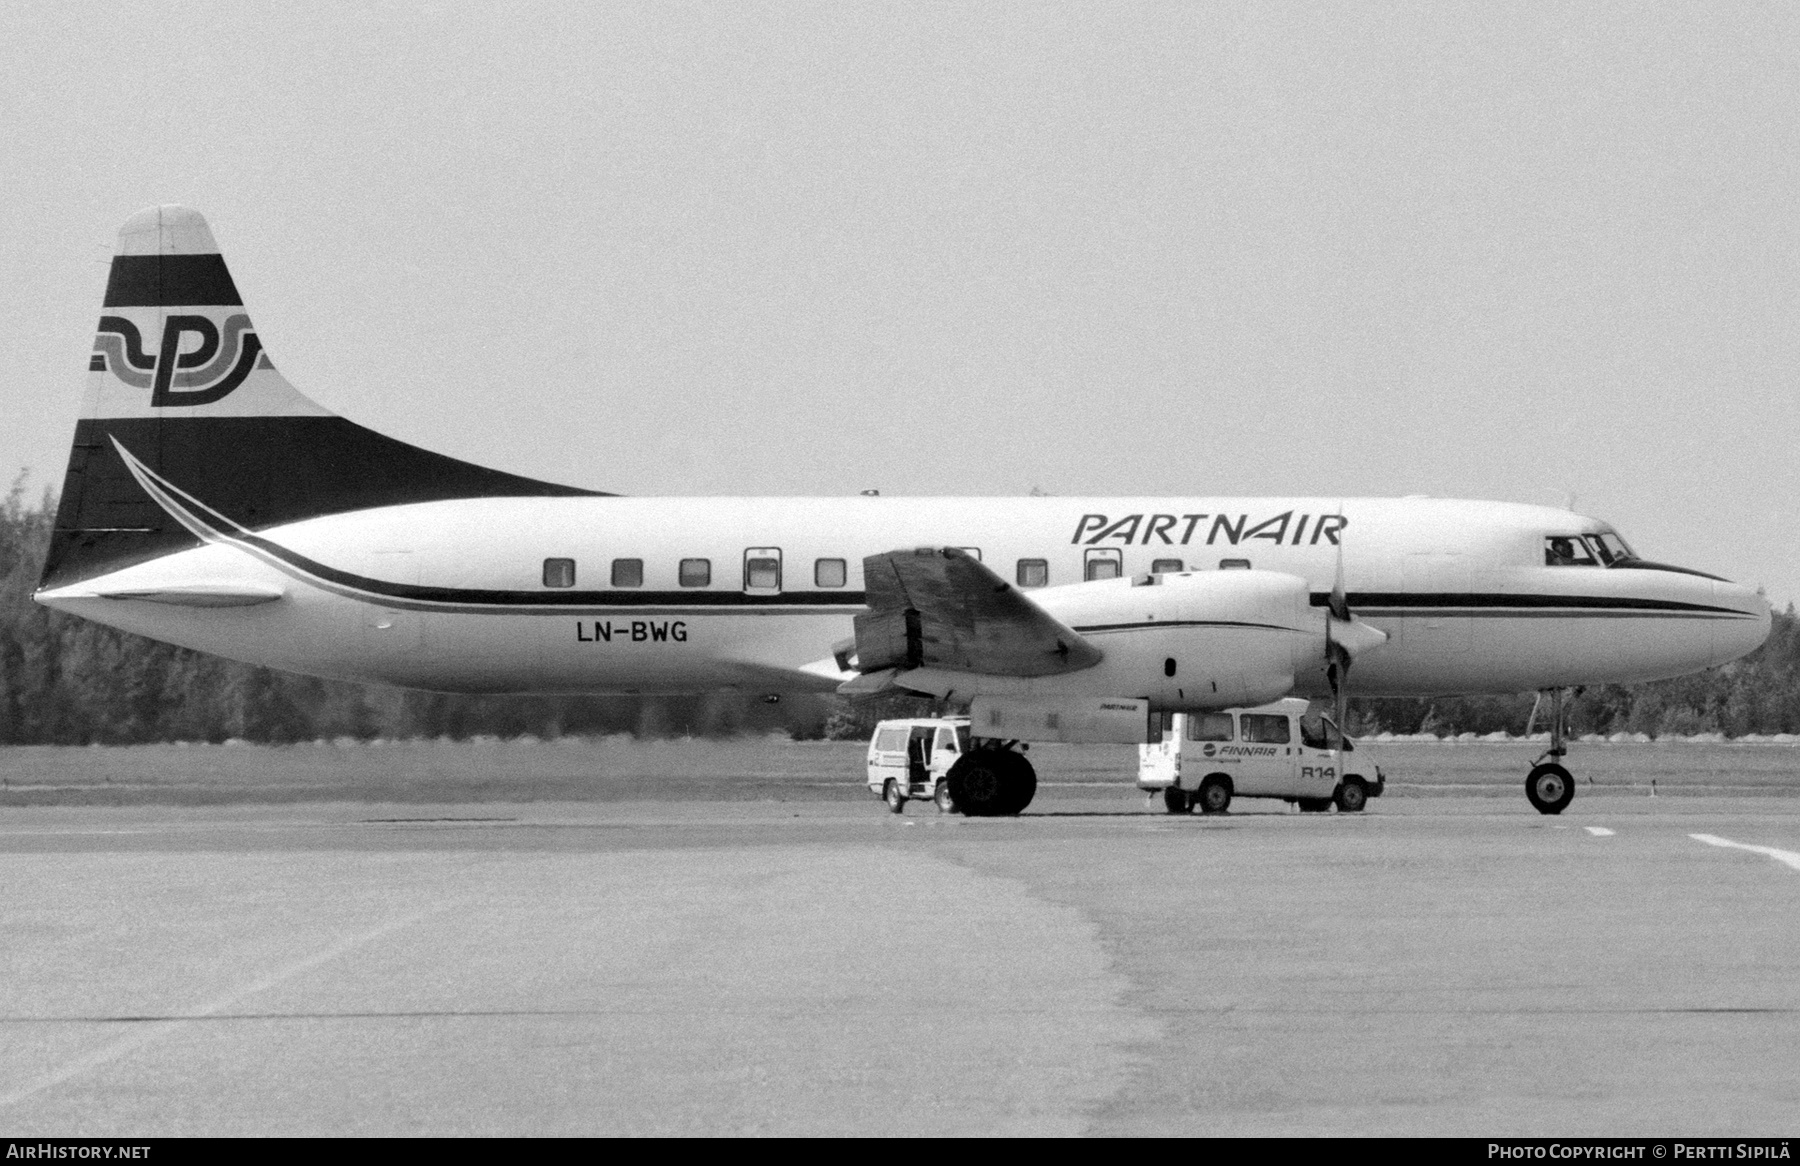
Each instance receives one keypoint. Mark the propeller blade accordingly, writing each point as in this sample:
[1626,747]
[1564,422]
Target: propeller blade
[1345,635]
[1339,605]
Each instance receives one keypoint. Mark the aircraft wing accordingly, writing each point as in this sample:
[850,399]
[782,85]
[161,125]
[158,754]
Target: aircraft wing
[939,607]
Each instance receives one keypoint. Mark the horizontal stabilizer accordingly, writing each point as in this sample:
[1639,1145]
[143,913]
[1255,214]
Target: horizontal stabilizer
[941,608]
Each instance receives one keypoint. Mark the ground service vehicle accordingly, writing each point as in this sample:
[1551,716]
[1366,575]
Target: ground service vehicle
[1272,751]
[912,759]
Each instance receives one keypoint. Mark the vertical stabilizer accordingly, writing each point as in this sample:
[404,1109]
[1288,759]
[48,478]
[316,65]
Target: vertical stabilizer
[179,378]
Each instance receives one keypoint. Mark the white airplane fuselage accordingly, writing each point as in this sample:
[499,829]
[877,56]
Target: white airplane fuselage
[451,595]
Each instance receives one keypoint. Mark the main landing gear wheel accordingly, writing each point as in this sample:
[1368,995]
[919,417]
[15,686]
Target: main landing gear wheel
[890,793]
[1176,801]
[989,783]
[1215,794]
[1550,789]
[1352,795]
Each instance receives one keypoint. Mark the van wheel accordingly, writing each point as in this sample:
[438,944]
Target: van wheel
[945,803]
[1313,805]
[1352,795]
[1215,794]
[1176,800]
[890,793]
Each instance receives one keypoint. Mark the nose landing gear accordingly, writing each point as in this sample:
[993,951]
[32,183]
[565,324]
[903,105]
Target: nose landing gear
[1548,785]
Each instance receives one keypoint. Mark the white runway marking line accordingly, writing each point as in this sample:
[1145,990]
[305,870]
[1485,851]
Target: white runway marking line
[1598,831]
[1786,857]
[153,1030]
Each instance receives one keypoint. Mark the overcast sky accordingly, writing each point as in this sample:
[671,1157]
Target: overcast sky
[1521,252]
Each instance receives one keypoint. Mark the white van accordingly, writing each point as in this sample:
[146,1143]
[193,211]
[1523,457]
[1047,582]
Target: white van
[1273,751]
[909,759]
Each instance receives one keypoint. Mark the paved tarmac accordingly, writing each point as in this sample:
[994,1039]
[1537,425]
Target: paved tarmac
[1437,965]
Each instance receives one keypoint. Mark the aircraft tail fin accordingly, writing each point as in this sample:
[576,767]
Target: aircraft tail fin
[179,379]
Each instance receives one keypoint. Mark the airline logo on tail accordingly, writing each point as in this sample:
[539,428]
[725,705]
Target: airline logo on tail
[217,360]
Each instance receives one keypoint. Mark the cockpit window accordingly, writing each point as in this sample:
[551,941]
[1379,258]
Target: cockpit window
[1568,550]
[1610,547]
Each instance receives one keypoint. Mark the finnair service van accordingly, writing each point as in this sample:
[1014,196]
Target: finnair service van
[1273,751]
[910,759]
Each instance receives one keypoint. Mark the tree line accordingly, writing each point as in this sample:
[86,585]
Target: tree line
[69,681]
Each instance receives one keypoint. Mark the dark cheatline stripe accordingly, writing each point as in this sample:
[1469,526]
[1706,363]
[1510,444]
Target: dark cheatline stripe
[1505,601]
[1180,623]
[151,281]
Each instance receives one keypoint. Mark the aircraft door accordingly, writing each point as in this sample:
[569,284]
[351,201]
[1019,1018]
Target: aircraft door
[762,571]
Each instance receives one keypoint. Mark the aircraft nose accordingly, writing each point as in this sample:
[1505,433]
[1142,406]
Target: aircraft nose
[1742,635]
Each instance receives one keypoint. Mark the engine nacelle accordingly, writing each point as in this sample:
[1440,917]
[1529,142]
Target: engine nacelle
[1192,641]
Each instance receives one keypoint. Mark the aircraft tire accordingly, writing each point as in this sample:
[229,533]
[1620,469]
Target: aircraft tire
[979,783]
[1176,800]
[1352,795]
[945,803]
[1550,789]
[1021,784]
[890,793]
[1214,796]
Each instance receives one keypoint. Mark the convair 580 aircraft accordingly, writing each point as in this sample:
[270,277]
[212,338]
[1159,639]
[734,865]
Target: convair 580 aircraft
[209,504]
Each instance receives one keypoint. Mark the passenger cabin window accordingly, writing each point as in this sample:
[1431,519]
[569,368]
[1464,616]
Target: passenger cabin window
[628,573]
[1166,567]
[828,573]
[1265,728]
[559,572]
[1102,563]
[762,570]
[1234,564]
[1209,727]
[1033,572]
[1568,550]
[890,740]
[696,573]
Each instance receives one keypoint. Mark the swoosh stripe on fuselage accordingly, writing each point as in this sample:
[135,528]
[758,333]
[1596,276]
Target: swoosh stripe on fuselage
[1513,603]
